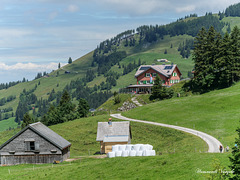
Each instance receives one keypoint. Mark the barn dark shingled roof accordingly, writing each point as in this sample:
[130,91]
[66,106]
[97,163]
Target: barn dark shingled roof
[50,135]
[46,133]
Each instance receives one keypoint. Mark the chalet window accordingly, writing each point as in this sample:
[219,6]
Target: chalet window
[140,82]
[154,74]
[174,74]
[148,82]
[147,74]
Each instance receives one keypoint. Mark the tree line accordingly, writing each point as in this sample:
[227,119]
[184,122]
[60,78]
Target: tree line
[185,48]
[4,100]
[216,59]
[233,10]
[151,33]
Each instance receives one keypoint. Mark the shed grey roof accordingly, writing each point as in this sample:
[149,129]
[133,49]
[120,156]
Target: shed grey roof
[117,129]
[46,133]
[165,70]
[119,138]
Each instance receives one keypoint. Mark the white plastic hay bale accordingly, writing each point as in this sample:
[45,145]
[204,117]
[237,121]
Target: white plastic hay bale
[136,147]
[143,147]
[129,147]
[147,153]
[125,153]
[150,147]
[153,153]
[144,153]
[111,154]
[132,153]
[118,153]
[115,148]
[122,147]
[139,153]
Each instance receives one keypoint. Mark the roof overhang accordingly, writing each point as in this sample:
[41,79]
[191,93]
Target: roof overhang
[140,86]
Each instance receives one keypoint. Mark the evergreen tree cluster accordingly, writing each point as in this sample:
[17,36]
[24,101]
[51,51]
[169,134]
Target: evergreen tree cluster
[217,60]
[90,75]
[235,158]
[186,47]
[39,75]
[130,67]
[4,100]
[159,91]
[94,96]
[109,45]
[105,62]
[150,33]
[4,116]
[130,41]
[8,85]
[233,10]
[65,111]
[4,113]
[26,101]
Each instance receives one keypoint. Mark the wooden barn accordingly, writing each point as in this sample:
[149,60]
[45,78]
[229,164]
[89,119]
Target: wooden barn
[112,133]
[35,144]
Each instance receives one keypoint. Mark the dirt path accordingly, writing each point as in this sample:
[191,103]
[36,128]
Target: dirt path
[82,157]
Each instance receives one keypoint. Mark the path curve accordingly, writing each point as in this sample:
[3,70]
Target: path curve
[213,143]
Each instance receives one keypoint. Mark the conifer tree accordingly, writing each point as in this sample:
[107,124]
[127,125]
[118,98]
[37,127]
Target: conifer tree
[223,63]
[235,159]
[27,119]
[235,49]
[70,60]
[83,107]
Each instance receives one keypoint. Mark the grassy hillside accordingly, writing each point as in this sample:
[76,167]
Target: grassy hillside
[169,167]
[82,134]
[148,53]
[216,113]
[182,164]
[57,80]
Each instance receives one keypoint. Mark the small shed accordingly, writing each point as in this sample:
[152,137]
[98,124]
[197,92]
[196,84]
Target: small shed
[34,144]
[112,133]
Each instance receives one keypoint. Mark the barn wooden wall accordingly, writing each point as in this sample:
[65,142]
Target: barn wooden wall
[30,159]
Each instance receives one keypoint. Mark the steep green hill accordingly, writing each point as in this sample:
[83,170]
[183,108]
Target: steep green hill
[148,53]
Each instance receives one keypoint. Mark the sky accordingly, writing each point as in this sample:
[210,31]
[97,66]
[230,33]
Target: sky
[36,35]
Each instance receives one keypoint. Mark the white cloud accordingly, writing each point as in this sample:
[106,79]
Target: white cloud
[147,7]
[185,9]
[72,8]
[29,66]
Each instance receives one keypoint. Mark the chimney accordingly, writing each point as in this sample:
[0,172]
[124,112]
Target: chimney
[110,122]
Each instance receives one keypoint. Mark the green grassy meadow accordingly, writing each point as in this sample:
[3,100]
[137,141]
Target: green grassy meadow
[179,155]
[216,113]
[166,167]
[10,123]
